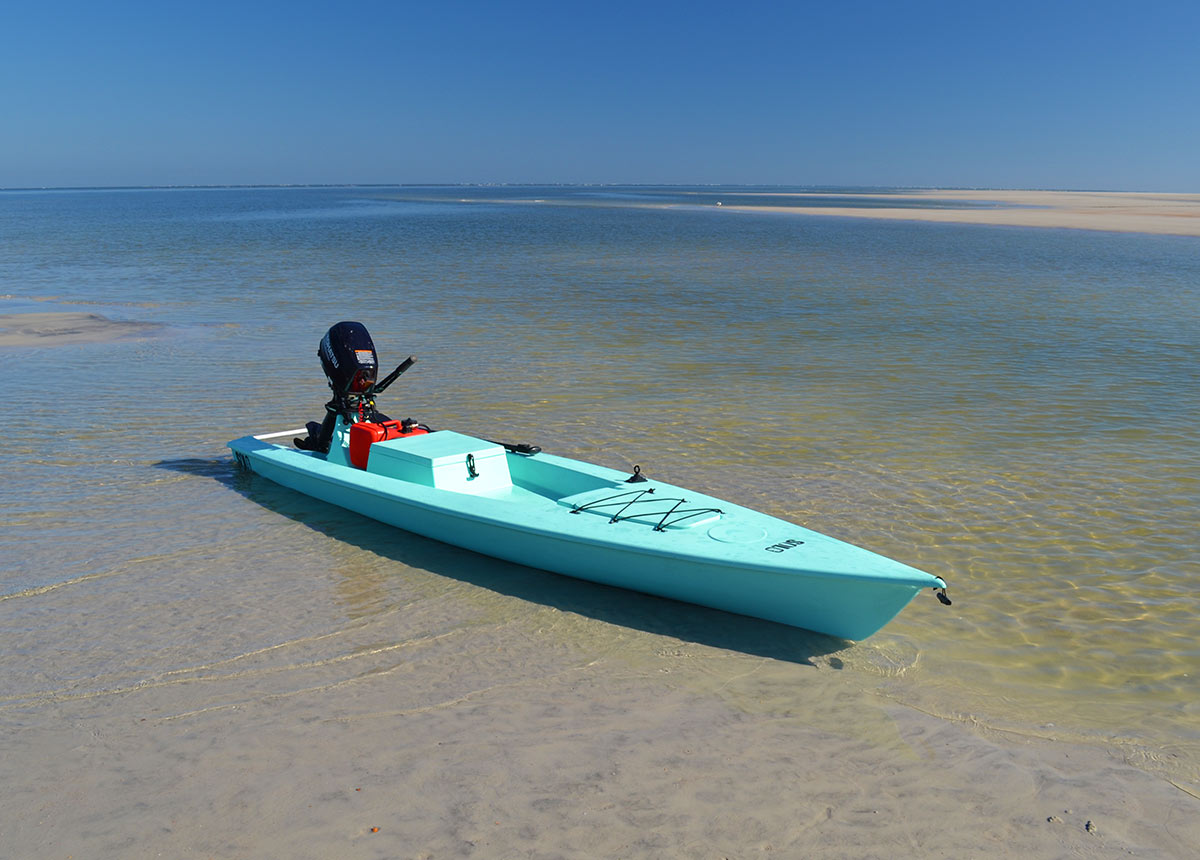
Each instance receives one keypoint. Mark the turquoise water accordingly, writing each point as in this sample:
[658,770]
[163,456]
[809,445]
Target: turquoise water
[1015,410]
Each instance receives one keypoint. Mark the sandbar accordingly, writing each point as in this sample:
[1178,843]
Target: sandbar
[1121,212]
[69,327]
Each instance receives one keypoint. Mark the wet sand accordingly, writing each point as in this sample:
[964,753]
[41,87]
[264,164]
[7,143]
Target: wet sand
[1123,212]
[360,693]
[595,759]
[62,328]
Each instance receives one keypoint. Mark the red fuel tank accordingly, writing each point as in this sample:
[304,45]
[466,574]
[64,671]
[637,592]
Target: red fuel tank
[366,433]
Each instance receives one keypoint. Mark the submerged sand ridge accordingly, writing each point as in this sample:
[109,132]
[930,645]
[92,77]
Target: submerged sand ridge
[1121,212]
[62,328]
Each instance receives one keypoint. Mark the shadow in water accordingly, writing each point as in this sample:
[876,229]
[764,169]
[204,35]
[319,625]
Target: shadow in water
[220,469]
[618,606]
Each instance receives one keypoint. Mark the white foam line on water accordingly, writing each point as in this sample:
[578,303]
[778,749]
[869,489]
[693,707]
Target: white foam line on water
[449,703]
[299,642]
[164,680]
[422,709]
[124,567]
[36,590]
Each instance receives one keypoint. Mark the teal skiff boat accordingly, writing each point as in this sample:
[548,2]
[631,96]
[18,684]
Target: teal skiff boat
[590,522]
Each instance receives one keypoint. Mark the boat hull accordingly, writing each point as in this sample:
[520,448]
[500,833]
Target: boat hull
[736,560]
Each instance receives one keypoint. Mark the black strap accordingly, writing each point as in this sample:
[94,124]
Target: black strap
[518,447]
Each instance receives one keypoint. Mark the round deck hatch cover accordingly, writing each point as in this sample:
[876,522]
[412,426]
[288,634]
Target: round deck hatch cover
[737,533]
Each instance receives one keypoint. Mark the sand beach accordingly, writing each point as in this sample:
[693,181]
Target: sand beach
[1122,212]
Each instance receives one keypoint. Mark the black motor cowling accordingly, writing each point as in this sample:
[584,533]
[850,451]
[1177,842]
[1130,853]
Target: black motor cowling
[349,359]
[352,367]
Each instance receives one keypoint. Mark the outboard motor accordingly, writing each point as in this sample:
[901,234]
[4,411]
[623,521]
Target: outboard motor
[351,366]
[348,358]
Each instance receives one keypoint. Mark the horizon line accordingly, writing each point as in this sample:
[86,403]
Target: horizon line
[821,187]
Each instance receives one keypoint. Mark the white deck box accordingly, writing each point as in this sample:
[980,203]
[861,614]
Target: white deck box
[443,459]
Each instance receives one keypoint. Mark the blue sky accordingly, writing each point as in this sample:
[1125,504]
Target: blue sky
[1012,94]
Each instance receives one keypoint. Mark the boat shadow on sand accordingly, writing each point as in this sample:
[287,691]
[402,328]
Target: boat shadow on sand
[617,606]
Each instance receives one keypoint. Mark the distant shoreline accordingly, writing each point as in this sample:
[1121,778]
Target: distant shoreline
[1153,212]
[766,189]
[1161,213]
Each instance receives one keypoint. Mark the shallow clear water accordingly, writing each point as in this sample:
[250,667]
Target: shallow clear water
[1014,410]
